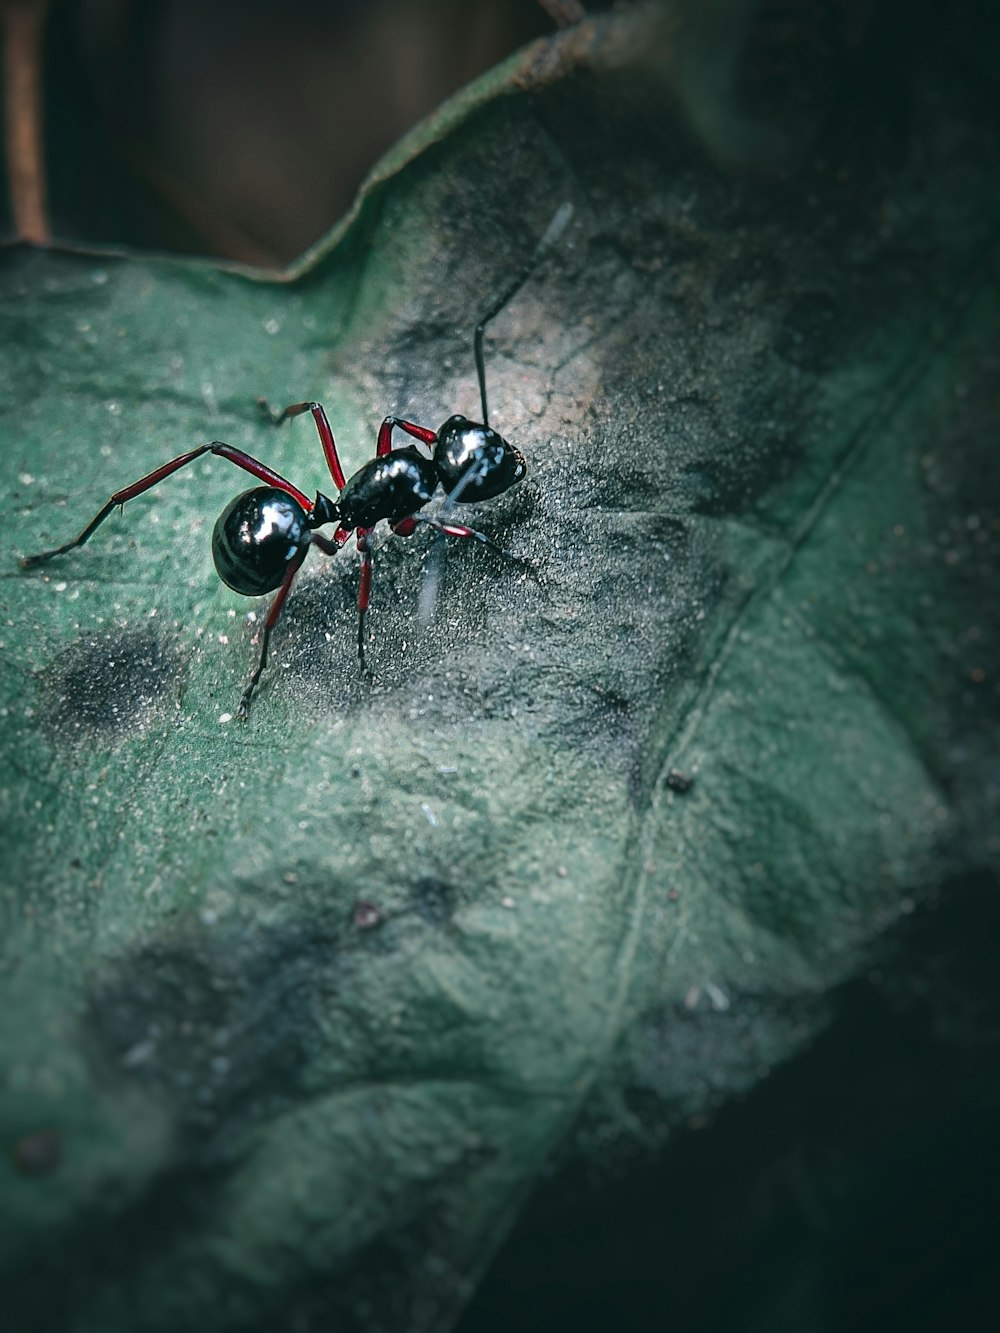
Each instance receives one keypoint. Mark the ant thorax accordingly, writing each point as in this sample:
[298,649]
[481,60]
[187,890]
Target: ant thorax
[390,488]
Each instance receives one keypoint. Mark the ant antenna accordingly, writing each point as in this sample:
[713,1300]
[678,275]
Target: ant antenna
[551,234]
[475,473]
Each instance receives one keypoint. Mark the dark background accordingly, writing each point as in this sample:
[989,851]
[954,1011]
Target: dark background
[242,128]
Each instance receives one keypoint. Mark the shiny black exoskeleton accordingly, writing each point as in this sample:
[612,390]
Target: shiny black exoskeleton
[390,488]
[255,538]
[474,462]
[470,462]
[260,533]
[262,537]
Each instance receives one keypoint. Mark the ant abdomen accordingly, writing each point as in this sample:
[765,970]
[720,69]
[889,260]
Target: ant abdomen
[255,538]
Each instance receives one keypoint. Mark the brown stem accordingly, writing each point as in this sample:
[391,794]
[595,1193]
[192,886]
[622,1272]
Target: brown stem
[23,32]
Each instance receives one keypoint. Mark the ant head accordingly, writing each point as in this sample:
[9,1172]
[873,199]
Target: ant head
[474,462]
[256,536]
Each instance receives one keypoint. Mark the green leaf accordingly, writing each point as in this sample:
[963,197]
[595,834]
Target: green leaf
[760,490]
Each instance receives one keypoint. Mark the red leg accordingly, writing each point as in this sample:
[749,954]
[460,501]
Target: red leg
[127,493]
[432,577]
[384,444]
[330,546]
[322,426]
[269,624]
[364,591]
[460,530]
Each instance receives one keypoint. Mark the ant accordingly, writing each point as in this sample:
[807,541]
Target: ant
[262,536]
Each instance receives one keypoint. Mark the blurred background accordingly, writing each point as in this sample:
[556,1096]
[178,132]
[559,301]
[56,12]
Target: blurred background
[241,129]
[231,128]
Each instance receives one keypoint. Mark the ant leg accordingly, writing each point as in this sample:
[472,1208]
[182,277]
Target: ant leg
[269,624]
[127,493]
[322,427]
[432,575]
[364,592]
[384,443]
[331,545]
[460,530]
[258,470]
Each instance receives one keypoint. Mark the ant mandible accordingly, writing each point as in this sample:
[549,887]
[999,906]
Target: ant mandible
[262,537]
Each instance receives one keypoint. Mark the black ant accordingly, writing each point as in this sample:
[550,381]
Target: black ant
[262,537]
